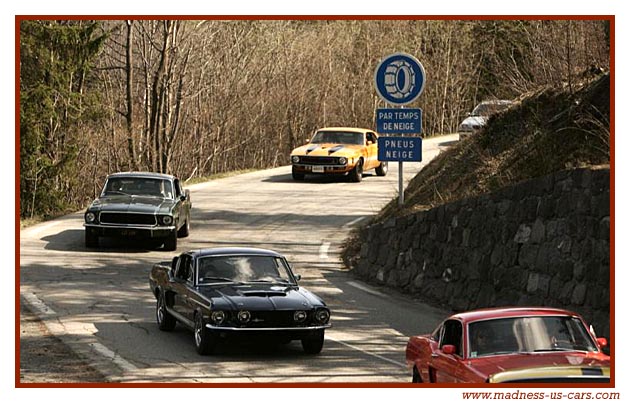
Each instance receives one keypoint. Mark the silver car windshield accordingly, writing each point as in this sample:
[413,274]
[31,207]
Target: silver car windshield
[490,108]
[130,186]
[242,269]
[534,334]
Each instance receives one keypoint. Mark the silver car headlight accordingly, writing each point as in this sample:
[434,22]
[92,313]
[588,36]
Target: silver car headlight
[295,159]
[244,316]
[90,217]
[217,317]
[322,316]
[343,160]
[299,316]
[167,220]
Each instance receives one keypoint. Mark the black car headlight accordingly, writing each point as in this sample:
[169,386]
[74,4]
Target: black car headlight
[295,159]
[343,160]
[166,220]
[322,316]
[217,317]
[90,217]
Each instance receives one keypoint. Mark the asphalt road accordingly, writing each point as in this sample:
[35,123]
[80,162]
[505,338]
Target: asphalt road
[98,301]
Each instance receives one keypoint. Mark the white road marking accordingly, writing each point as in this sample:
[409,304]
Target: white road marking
[367,289]
[351,223]
[115,358]
[323,250]
[368,352]
[38,305]
[56,328]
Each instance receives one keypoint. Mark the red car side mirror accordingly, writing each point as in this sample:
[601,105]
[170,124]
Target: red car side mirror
[602,342]
[448,349]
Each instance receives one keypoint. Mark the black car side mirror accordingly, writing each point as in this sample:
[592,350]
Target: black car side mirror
[298,277]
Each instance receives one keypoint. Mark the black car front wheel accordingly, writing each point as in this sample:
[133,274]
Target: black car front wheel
[313,343]
[165,320]
[91,239]
[205,341]
[171,241]
[185,229]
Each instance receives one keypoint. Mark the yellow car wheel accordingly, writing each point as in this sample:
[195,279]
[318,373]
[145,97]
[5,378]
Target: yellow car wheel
[297,175]
[357,173]
[381,170]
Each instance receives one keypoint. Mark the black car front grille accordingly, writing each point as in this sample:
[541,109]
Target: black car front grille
[128,218]
[319,160]
[264,319]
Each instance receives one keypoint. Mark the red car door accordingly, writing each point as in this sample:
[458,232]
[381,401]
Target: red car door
[446,360]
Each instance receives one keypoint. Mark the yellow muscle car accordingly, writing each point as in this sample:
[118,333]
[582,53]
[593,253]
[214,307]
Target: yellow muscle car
[338,150]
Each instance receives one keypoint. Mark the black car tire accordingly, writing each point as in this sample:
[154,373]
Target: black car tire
[382,169]
[313,344]
[356,175]
[171,241]
[415,376]
[165,320]
[205,342]
[298,176]
[185,229]
[91,239]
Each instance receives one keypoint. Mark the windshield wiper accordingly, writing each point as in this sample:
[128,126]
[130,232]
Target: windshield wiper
[274,281]
[203,280]
[118,192]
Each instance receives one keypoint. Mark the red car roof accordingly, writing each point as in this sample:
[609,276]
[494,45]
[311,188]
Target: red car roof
[493,313]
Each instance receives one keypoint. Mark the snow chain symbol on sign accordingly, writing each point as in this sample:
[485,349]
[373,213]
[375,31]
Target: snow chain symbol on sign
[400,79]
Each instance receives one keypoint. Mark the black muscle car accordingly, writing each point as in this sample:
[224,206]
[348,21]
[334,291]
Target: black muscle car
[230,292]
[139,204]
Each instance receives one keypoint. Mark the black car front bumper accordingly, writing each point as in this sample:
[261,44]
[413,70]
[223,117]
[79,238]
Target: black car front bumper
[129,231]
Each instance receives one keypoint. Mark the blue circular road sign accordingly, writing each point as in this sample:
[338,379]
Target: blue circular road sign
[399,78]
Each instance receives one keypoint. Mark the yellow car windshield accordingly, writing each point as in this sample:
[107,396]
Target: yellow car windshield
[338,138]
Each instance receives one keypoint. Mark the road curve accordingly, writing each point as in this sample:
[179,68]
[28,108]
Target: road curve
[98,301]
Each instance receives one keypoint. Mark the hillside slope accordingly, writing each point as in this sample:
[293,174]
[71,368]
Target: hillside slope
[544,132]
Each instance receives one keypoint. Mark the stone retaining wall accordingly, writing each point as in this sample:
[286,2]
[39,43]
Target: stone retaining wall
[544,242]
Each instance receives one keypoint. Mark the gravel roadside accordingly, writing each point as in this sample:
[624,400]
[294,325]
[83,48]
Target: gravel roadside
[46,359]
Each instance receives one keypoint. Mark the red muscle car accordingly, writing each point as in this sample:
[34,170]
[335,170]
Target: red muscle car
[478,346]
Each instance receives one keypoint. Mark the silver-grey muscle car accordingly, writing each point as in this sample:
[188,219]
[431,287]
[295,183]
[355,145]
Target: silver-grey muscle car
[139,204]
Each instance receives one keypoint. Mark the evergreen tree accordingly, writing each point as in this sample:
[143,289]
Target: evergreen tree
[55,103]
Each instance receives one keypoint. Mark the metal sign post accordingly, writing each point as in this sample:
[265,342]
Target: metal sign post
[399,80]
[401,191]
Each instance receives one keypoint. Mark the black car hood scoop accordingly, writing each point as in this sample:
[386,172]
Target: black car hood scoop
[261,293]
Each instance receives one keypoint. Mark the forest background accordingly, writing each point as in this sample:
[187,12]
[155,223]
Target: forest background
[197,98]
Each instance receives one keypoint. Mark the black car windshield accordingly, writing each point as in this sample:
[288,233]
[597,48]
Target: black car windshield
[532,334]
[138,186]
[242,269]
[338,137]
